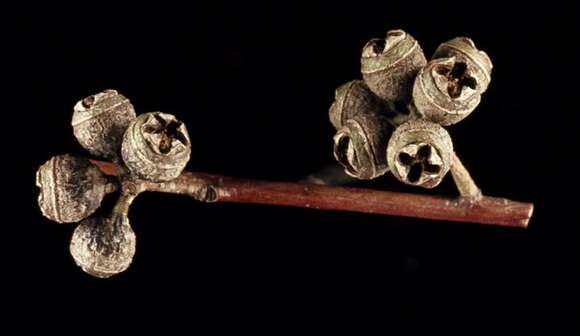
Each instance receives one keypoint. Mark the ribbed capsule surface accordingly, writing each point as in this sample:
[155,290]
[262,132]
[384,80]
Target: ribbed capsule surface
[464,50]
[363,129]
[352,98]
[390,65]
[99,122]
[360,145]
[156,147]
[71,188]
[446,91]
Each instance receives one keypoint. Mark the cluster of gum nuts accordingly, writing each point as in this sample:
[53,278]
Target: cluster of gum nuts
[152,147]
[393,119]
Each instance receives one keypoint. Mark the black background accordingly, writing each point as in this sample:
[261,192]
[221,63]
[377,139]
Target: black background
[253,83]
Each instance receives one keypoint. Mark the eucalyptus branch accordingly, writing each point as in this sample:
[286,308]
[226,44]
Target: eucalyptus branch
[391,121]
[215,188]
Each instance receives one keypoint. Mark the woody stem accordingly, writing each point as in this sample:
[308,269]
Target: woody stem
[214,188]
[463,180]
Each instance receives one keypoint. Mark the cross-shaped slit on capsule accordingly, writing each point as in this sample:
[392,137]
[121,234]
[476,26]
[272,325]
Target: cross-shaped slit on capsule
[419,163]
[169,131]
[458,77]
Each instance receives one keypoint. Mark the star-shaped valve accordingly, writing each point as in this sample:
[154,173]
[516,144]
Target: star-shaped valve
[163,131]
[458,78]
[419,163]
[156,147]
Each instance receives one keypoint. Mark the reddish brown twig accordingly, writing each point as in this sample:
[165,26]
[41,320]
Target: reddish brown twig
[484,210]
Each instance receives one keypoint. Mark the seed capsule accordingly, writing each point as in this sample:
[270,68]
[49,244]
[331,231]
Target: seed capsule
[390,65]
[360,145]
[103,247]
[350,99]
[71,188]
[465,51]
[99,122]
[419,153]
[446,91]
[156,147]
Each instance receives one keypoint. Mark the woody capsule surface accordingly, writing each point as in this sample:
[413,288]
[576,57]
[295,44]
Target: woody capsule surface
[99,122]
[477,61]
[419,153]
[351,99]
[71,188]
[446,91]
[103,247]
[390,65]
[156,147]
[363,130]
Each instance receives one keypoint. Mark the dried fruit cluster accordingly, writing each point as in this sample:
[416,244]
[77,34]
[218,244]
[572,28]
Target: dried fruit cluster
[154,147]
[393,119]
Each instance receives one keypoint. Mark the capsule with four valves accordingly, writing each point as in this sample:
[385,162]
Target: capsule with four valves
[446,91]
[419,153]
[156,147]
[465,51]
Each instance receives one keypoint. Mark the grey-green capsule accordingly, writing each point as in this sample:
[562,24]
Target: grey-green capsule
[71,188]
[465,51]
[352,98]
[419,153]
[360,145]
[445,91]
[390,65]
[156,147]
[103,247]
[99,122]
